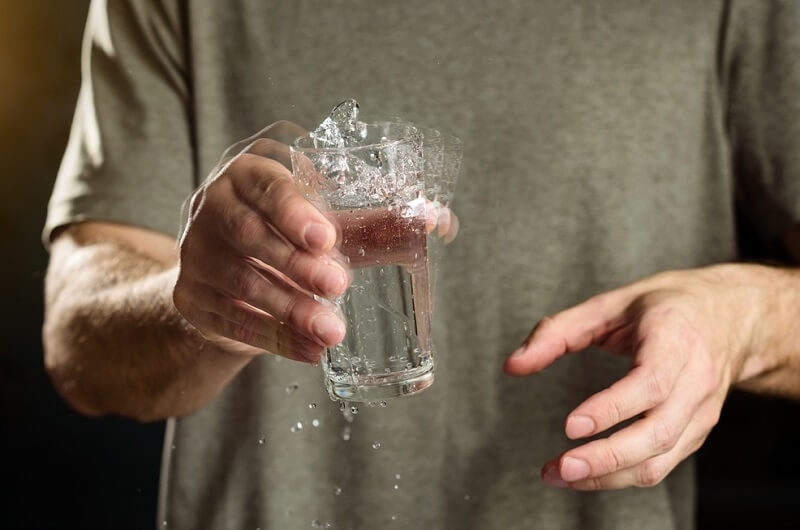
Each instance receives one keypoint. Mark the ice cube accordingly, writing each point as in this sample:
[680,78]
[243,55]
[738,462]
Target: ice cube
[341,128]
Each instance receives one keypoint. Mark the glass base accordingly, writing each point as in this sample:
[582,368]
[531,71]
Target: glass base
[374,388]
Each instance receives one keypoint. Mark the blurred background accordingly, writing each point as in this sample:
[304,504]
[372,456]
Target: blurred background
[61,470]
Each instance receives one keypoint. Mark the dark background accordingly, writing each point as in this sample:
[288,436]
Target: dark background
[60,470]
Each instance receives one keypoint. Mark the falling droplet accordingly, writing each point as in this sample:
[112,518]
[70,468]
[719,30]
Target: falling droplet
[383,404]
[315,422]
[396,487]
[346,433]
[337,490]
[466,497]
[164,523]
[173,447]
[397,476]
[316,524]
[312,405]
[299,425]
[353,409]
[376,445]
[291,387]
[394,518]
[292,429]
[262,440]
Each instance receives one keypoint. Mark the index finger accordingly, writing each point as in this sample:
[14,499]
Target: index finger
[267,187]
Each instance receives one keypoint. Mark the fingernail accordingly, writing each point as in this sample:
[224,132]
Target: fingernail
[573,469]
[328,328]
[552,478]
[318,236]
[579,426]
[519,352]
[332,280]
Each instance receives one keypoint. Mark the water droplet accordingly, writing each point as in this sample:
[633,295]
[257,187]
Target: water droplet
[383,404]
[372,404]
[346,433]
[262,440]
[353,409]
[396,487]
[342,406]
[398,476]
[376,445]
[315,422]
[466,497]
[394,518]
[316,524]
[164,523]
[312,405]
[292,429]
[291,387]
[337,490]
[173,447]
[299,425]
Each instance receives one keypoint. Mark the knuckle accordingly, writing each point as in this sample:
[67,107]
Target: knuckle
[657,387]
[612,460]
[664,436]
[180,297]
[616,412]
[247,227]
[241,333]
[244,283]
[650,473]
[290,311]
[294,262]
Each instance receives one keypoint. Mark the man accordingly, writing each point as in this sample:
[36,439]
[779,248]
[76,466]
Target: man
[605,142]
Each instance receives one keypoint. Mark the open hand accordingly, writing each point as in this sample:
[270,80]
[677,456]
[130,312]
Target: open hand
[689,334]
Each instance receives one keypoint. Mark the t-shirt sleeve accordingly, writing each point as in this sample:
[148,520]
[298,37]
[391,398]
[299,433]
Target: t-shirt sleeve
[762,73]
[129,158]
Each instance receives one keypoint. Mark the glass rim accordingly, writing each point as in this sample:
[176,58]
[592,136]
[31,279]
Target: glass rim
[414,136]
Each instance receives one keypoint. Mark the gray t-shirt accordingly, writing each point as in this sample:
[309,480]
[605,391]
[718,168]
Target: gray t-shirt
[603,141]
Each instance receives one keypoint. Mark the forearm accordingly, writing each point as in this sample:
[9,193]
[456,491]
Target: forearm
[771,364]
[114,342]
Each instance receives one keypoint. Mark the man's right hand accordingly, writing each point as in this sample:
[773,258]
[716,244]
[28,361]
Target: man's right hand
[254,254]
